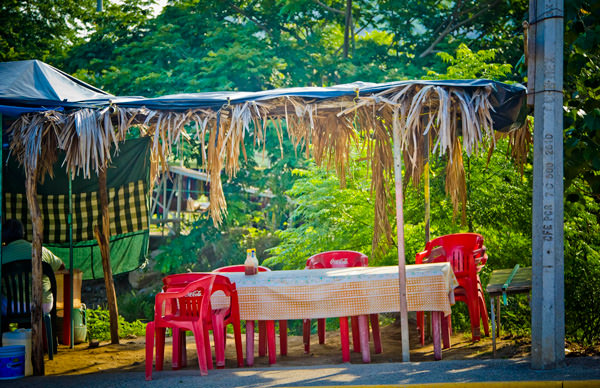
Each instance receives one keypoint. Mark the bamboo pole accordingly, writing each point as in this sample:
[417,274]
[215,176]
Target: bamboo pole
[37,346]
[102,235]
[400,236]
[427,192]
[70,221]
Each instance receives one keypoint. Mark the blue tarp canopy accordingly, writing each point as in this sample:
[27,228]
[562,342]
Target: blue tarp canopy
[217,99]
[15,111]
[26,85]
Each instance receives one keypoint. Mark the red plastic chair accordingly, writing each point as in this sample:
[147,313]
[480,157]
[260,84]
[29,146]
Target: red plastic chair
[187,308]
[341,259]
[466,253]
[266,329]
[219,319]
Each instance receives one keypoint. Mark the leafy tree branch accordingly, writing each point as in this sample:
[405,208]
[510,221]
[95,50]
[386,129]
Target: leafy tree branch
[454,23]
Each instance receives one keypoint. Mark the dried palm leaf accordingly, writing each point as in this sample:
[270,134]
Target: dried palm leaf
[456,185]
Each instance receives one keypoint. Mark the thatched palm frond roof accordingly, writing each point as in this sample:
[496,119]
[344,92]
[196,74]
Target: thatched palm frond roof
[457,115]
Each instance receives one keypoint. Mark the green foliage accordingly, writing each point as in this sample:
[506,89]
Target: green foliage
[211,45]
[239,45]
[582,96]
[135,305]
[326,217]
[470,65]
[98,326]
[581,169]
[206,247]
[582,270]
[423,28]
[41,29]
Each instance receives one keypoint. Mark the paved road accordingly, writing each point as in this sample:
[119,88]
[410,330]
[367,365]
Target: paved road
[584,371]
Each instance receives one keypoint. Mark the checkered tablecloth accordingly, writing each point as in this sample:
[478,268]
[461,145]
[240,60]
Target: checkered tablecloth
[339,292]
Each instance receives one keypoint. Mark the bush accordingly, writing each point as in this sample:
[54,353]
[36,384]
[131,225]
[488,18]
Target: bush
[582,270]
[98,326]
[206,248]
[582,298]
[136,305]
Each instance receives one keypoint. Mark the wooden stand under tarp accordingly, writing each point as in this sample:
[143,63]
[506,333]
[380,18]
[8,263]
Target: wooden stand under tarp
[504,282]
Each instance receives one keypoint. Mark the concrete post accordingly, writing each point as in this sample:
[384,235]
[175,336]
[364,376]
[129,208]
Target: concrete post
[547,310]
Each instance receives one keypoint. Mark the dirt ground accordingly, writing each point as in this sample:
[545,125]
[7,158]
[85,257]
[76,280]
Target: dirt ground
[129,355]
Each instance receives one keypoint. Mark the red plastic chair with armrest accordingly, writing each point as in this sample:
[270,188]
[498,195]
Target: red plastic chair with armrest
[219,319]
[341,259]
[266,329]
[188,308]
[466,254]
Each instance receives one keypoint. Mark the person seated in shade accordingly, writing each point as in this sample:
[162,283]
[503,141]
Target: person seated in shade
[15,247]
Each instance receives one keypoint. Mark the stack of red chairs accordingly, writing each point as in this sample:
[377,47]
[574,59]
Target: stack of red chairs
[185,304]
[466,253]
[266,329]
[341,259]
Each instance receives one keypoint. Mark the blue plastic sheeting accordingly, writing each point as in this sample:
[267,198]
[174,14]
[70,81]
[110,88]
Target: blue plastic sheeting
[15,111]
[36,84]
[218,99]
[508,101]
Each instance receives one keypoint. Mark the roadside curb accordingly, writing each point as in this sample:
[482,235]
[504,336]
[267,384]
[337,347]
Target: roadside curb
[488,384]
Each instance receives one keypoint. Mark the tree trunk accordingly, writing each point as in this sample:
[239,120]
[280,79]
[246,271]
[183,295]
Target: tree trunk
[37,346]
[102,235]
[347,27]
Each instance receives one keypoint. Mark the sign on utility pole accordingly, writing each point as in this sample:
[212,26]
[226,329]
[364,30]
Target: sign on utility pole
[545,84]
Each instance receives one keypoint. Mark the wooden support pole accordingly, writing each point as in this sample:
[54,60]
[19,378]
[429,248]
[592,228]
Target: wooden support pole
[70,221]
[37,345]
[1,198]
[400,237]
[179,197]
[427,191]
[427,194]
[102,235]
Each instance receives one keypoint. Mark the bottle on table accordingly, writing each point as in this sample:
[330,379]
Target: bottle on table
[251,263]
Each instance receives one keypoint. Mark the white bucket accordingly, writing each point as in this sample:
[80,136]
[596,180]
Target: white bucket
[20,337]
[12,362]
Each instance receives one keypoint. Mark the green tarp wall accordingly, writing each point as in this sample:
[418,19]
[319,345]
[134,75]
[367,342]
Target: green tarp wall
[128,183]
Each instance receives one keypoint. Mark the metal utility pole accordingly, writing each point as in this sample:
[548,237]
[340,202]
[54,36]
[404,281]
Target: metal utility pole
[99,5]
[545,77]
